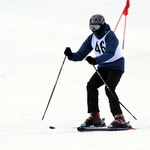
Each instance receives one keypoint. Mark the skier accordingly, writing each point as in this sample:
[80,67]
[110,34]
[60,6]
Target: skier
[110,65]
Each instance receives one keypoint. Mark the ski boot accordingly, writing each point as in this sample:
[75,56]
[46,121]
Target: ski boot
[94,120]
[119,122]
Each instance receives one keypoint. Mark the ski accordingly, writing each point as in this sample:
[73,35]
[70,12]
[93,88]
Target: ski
[85,129]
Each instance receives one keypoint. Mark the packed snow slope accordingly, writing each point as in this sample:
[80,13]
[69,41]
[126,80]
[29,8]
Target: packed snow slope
[33,37]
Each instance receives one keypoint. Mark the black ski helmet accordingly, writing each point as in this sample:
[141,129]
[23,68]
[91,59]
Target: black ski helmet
[96,21]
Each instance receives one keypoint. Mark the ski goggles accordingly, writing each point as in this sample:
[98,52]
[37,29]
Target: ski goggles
[94,27]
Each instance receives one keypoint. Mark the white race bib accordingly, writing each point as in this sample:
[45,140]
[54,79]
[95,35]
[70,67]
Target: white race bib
[99,45]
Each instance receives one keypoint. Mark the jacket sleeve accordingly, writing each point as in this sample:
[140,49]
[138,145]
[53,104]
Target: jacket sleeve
[111,46]
[84,50]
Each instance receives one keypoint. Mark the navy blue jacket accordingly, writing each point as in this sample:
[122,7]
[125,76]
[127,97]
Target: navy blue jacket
[111,45]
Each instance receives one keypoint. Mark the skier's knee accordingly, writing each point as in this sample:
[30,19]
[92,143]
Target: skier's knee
[90,86]
[106,91]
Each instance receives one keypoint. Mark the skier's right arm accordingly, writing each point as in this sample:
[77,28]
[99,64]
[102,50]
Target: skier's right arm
[68,53]
[83,51]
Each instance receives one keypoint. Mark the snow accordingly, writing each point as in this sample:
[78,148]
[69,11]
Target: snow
[33,36]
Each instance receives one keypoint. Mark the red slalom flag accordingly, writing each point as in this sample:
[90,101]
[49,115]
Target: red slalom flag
[125,11]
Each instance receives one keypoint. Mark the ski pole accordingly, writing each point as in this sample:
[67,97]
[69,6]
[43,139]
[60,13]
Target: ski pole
[113,93]
[54,88]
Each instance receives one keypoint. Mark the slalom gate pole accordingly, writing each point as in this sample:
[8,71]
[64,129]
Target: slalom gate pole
[124,32]
[113,93]
[118,22]
[54,88]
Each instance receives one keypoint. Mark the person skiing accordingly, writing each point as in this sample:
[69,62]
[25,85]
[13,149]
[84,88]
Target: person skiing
[110,66]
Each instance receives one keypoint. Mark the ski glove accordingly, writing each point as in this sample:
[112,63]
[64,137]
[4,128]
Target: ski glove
[91,60]
[68,52]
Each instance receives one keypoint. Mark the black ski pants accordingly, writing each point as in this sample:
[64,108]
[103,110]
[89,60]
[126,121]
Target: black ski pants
[112,78]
